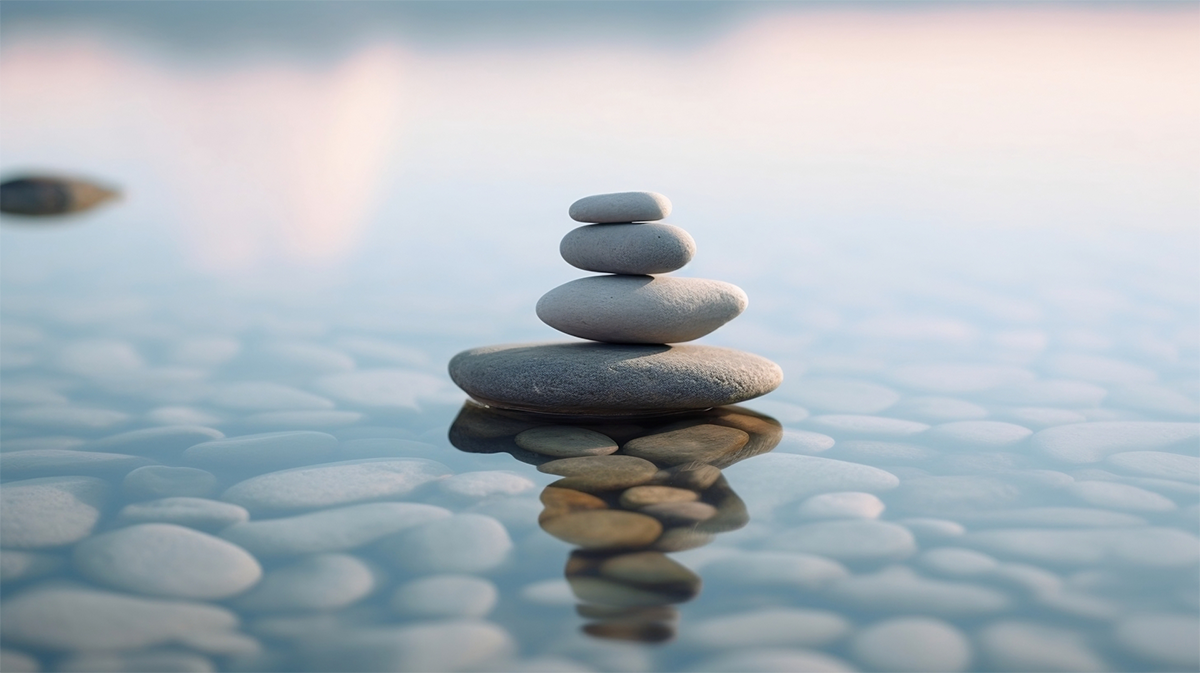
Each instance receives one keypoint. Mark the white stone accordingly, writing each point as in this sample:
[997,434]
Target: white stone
[1098,369]
[268,448]
[1042,417]
[1120,496]
[844,505]
[161,559]
[772,660]
[388,388]
[137,662]
[266,396]
[199,513]
[476,485]
[1153,399]
[1052,517]
[1148,547]
[977,434]
[332,484]
[160,481]
[549,592]
[1051,393]
[933,529]
[851,425]
[842,396]
[1037,648]
[918,644]
[308,358]
[318,582]
[321,418]
[330,530]
[773,479]
[873,451]
[383,350]
[16,565]
[899,589]
[1093,442]
[47,462]
[951,378]
[156,440]
[957,562]
[68,417]
[12,661]
[641,309]
[634,249]
[934,409]
[848,540]
[620,207]
[99,358]
[768,627]
[1158,464]
[182,415]
[455,645]
[936,495]
[804,442]
[767,568]
[446,597]
[1171,640]
[50,512]
[65,618]
[205,351]
[464,543]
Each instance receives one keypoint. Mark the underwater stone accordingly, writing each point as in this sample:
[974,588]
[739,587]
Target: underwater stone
[600,473]
[705,443]
[564,441]
[50,512]
[604,529]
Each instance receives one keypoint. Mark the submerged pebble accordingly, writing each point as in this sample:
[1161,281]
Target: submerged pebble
[899,589]
[162,661]
[160,481]
[50,511]
[977,434]
[1093,442]
[270,448]
[917,644]
[1033,647]
[475,485]
[208,515]
[16,565]
[600,473]
[850,425]
[604,529]
[1157,464]
[642,496]
[167,560]
[331,484]
[564,441]
[849,540]
[842,396]
[777,478]
[453,645]
[170,439]
[843,505]
[318,582]
[445,597]
[330,530]
[48,462]
[1170,640]
[463,543]
[705,443]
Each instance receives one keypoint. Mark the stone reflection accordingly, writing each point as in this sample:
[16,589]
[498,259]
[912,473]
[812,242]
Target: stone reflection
[41,195]
[632,491]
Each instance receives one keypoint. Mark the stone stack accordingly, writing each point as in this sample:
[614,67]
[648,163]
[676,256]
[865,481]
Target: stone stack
[631,317]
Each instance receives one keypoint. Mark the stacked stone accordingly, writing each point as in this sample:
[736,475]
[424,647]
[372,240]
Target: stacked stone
[631,316]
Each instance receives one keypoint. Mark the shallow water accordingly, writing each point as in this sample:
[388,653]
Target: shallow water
[983,455]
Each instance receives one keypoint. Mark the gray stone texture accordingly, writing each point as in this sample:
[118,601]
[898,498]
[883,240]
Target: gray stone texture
[628,248]
[621,207]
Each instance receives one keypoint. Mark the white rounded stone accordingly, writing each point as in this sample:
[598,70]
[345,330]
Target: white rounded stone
[50,512]
[16,565]
[160,481]
[773,479]
[804,442]
[932,409]
[136,662]
[48,462]
[957,562]
[446,597]
[1158,464]
[1120,496]
[767,568]
[1024,646]
[155,441]
[641,309]
[331,484]
[1146,547]
[854,425]
[977,434]
[167,560]
[633,249]
[319,582]
[620,207]
[200,513]
[954,378]
[1051,393]
[899,589]
[75,618]
[849,540]
[453,645]
[842,396]
[772,660]
[292,420]
[843,505]
[464,543]
[933,529]
[1171,640]
[330,530]
[918,644]
[266,396]
[1092,442]
[769,627]
[476,485]
[268,448]
[68,417]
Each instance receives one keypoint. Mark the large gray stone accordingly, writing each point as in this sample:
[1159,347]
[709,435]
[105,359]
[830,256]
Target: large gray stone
[628,248]
[621,207]
[641,309]
[607,379]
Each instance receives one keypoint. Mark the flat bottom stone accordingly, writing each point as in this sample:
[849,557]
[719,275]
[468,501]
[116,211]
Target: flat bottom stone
[595,379]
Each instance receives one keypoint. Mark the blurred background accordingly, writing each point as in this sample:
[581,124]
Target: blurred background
[843,149]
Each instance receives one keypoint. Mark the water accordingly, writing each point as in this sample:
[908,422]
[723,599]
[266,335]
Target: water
[983,456]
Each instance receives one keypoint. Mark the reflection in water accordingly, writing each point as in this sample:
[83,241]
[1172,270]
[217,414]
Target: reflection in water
[630,493]
[47,195]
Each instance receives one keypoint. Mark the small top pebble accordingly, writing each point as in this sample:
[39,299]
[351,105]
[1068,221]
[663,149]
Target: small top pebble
[621,207]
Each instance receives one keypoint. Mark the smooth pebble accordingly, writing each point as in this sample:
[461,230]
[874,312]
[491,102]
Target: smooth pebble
[266,449]
[50,511]
[842,396]
[641,309]
[706,443]
[446,597]
[160,481]
[1171,640]
[1157,464]
[318,582]
[843,505]
[564,441]
[463,543]
[600,473]
[1026,646]
[773,479]
[476,485]
[957,562]
[770,627]
[918,644]
[169,439]
[899,589]
[452,645]
[851,425]
[332,484]
[165,661]
[1144,547]
[768,568]
[1093,442]
[50,462]
[167,560]
[330,530]
[632,249]
[977,434]
[16,565]
[848,540]
[772,660]
[642,496]
[620,207]
[1120,496]
[604,529]
[266,396]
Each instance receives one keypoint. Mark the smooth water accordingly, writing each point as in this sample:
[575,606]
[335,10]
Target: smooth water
[984,455]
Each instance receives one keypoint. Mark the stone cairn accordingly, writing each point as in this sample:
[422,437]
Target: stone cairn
[632,318]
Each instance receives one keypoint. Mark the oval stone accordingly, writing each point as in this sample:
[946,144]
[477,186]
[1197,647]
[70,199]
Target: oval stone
[703,443]
[641,309]
[604,529]
[628,248]
[564,441]
[605,379]
[644,496]
[600,473]
[620,207]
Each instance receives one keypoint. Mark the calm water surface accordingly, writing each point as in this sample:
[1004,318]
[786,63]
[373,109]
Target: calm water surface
[984,455]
